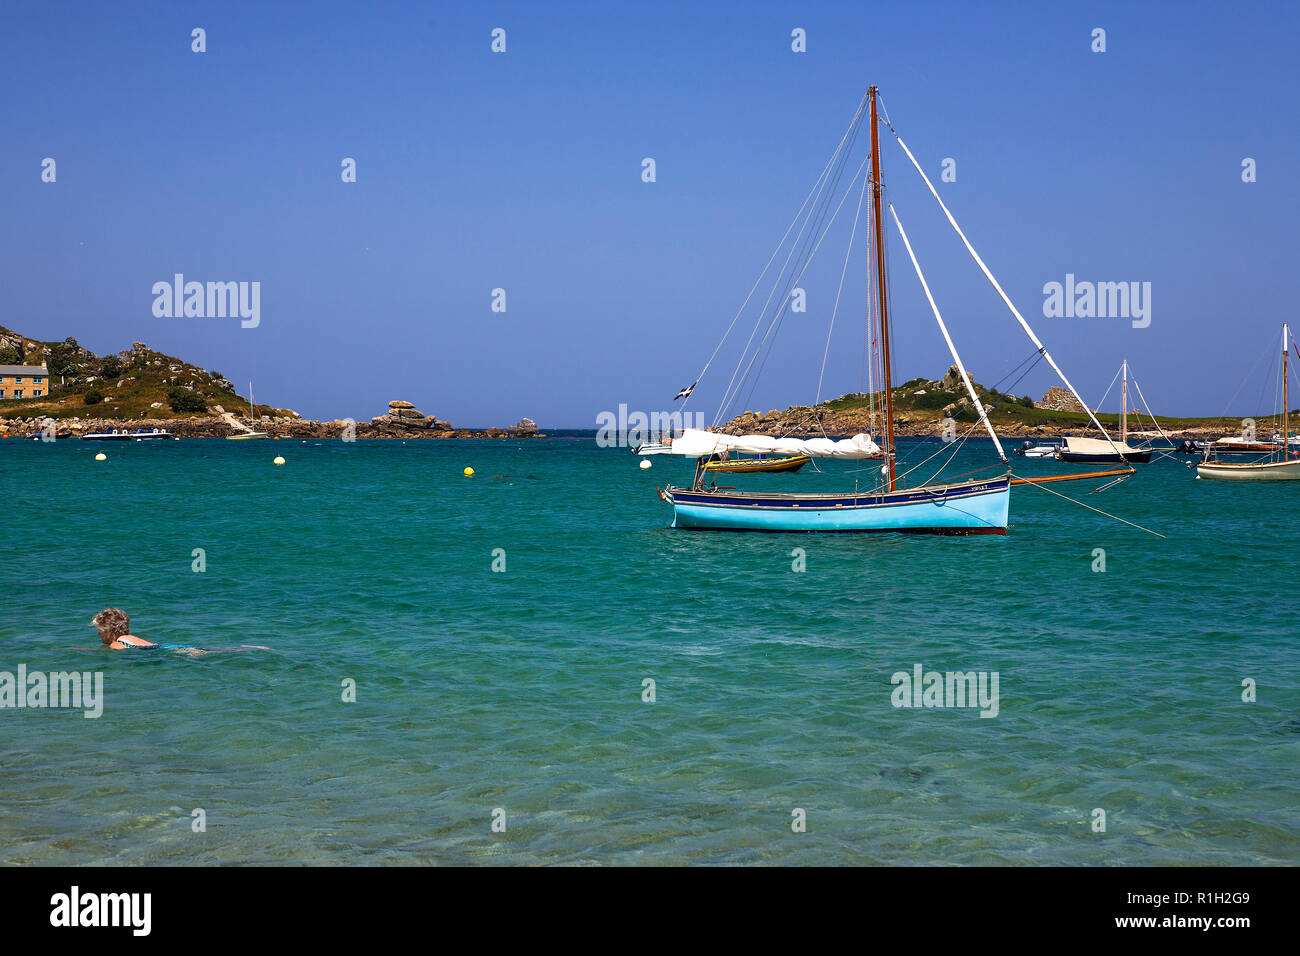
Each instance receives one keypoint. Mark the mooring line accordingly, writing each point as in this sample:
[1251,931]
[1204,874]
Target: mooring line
[1091,508]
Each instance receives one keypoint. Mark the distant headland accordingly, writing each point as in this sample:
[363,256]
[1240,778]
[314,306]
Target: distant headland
[83,392]
[921,407]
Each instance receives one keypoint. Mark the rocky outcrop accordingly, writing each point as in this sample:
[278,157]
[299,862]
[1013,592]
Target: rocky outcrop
[402,416]
[526,426]
[199,426]
[1059,400]
[404,420]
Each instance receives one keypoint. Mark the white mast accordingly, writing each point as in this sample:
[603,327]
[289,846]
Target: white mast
[1042,349]
[970,389]
[1123,413]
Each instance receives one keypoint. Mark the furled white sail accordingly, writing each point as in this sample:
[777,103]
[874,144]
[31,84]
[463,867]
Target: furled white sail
[1097,446]
[698,443]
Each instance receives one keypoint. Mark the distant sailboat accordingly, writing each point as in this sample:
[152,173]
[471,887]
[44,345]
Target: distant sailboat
[252,417]
[1096,450]
[1282,464]
[960,507]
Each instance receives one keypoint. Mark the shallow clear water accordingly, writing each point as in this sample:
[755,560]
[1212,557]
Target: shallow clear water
[522,690]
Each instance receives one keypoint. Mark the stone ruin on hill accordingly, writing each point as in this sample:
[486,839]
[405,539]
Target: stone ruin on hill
[1059,399]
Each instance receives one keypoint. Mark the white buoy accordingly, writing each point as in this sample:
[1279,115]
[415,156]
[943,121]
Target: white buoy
[279,460]
[101,457]
[645,463]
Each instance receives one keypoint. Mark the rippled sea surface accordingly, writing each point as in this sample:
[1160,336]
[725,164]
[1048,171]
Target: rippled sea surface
[522,690]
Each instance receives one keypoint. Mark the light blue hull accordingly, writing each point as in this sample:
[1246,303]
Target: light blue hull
[965,508]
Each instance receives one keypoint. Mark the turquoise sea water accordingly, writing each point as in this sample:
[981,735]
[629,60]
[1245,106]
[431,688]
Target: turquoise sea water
[522,690]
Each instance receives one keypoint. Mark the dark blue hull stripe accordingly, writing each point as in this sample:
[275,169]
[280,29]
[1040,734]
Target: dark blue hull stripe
[935,494]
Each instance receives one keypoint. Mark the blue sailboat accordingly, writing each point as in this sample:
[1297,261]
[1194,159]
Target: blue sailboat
[961,507]
[966,507]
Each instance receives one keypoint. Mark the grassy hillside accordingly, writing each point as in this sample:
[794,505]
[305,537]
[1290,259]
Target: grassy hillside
[920,406]
[135,383]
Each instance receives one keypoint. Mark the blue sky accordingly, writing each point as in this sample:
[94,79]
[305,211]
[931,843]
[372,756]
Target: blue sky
[522,171]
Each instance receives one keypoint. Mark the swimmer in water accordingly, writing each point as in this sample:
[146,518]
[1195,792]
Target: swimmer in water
[115,631]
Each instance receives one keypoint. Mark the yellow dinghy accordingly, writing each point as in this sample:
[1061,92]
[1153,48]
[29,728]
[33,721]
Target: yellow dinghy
[748,466]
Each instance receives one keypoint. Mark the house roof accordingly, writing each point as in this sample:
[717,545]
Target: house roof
[23,370]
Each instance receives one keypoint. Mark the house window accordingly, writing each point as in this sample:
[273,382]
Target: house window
[18,379]
[36,379]
[37,392]
[18,393]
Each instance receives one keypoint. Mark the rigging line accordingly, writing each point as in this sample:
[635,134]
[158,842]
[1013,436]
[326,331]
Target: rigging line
[1277,390]
[853,232]
[775,324]
[1005,298]
[816,216]
[1035,484]
[970,388]
[857,118]
[841,156]
[1148,408]
[956,441]
[776,319]
[975,471]
[866,336]
[879,310]
[885,111]
[940,469]
[890,359]
[1263,386]
[1110,386]
[1034,357]
[1242,384]
[1021,377]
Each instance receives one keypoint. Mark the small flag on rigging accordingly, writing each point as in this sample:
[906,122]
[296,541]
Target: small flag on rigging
[686,391]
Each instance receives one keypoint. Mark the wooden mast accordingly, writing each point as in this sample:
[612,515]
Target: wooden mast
[880,289]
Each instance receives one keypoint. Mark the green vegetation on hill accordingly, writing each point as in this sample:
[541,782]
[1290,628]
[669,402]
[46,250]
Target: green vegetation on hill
[135,383]
[922,402]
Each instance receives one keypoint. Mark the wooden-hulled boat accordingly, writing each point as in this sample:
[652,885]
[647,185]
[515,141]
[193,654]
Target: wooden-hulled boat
[1237,445]
[957,507]
[1282,463]
[757,465]
[1250,471]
